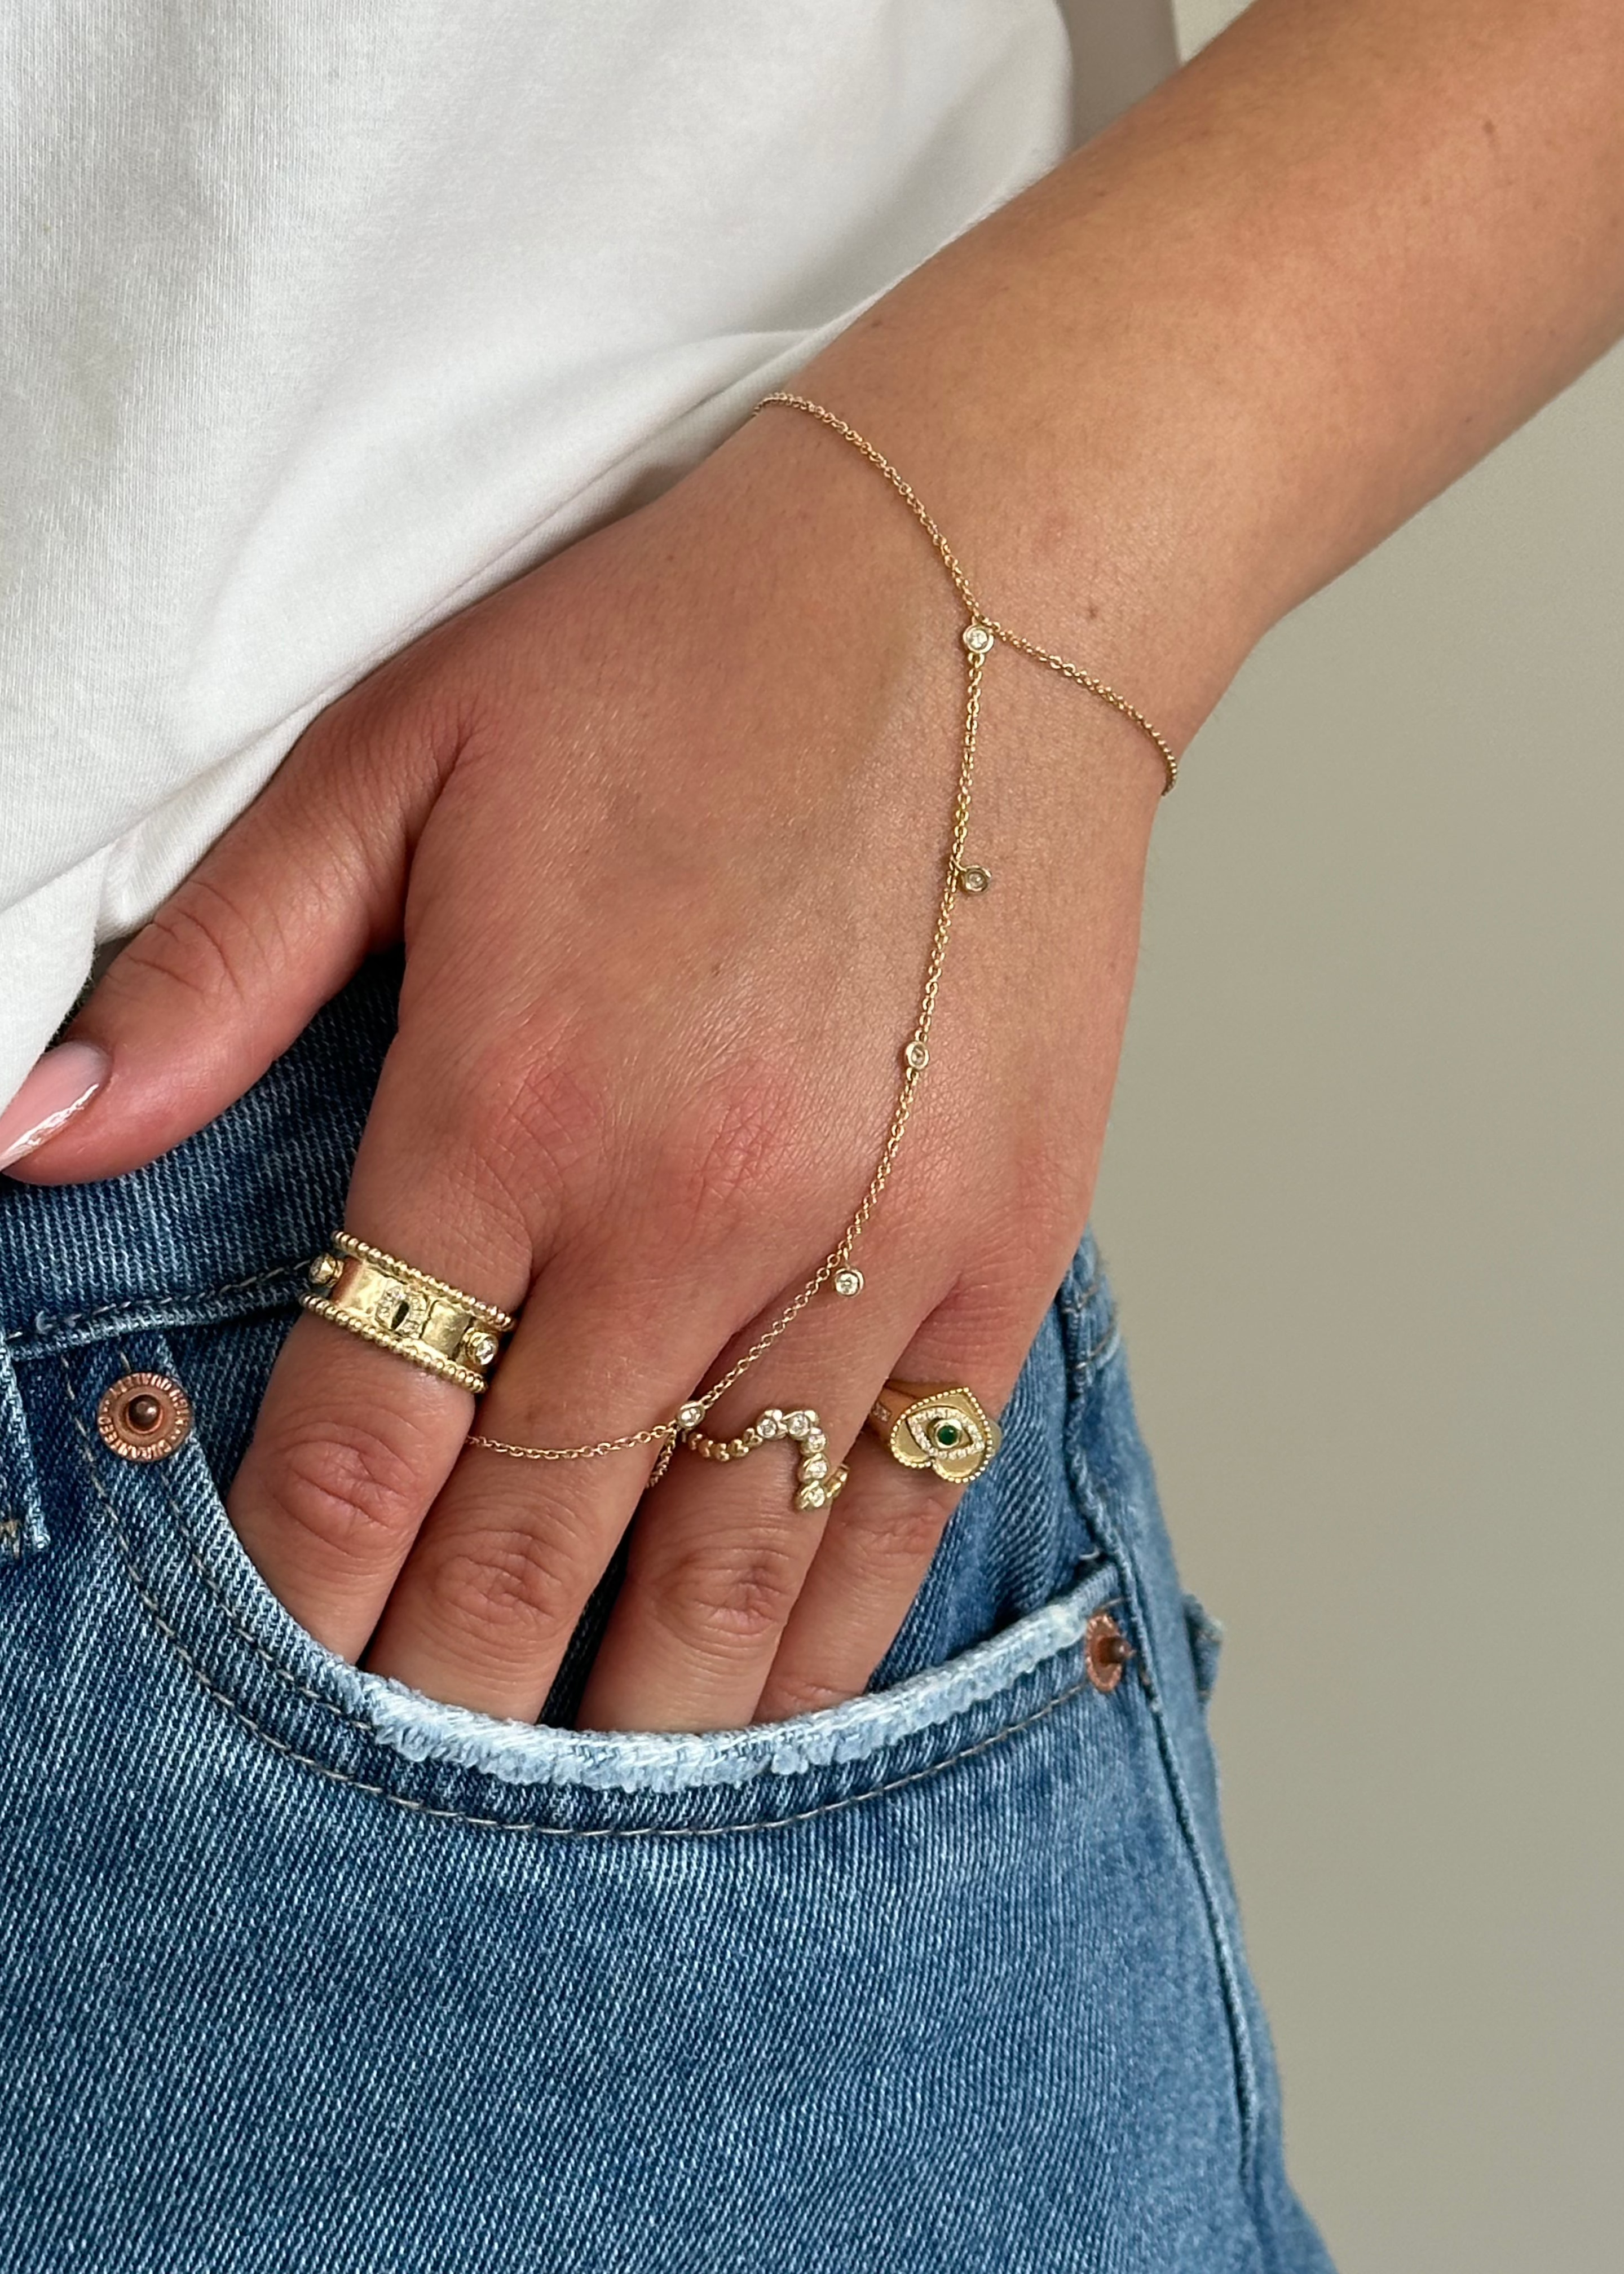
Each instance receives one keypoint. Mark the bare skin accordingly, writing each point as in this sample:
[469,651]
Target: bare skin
[661,824]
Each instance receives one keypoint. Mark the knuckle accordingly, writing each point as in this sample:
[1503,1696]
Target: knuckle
[742,1149]
[727,1604]
[199,943]
[799,1694]
[899,1530]
[1045,1169]
[352,1488]
[516,1592]
[993,1310]
[538,1125]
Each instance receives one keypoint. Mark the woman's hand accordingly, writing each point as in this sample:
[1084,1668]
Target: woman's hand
[663,823]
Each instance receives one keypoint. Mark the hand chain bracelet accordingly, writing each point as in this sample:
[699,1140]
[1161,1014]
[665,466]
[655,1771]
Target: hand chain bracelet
[979,637]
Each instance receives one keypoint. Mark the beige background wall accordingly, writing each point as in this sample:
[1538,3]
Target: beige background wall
[1362,1206]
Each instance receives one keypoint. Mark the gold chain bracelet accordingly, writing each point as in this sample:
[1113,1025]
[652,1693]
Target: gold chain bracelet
[978,636]
[978,617]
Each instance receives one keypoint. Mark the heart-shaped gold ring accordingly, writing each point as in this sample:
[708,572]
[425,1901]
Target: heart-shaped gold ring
[946,1428]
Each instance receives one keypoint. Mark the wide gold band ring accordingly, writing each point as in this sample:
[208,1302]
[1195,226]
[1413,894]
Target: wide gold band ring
[401,1309]
[943,1429]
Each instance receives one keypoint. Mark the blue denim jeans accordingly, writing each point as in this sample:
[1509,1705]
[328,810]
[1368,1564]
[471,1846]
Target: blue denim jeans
[303,1974]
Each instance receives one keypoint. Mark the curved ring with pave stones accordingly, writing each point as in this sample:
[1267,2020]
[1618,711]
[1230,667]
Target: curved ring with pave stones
[816,1484]
[392,1304]
[947,1429]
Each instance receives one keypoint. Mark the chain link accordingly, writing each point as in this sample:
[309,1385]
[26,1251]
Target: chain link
[910,497]
[916,1052]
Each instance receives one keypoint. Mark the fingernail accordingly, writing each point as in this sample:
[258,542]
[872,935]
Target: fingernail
[62,1084]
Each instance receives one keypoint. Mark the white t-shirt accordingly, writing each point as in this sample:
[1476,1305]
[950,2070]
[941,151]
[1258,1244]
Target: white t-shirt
[319,318]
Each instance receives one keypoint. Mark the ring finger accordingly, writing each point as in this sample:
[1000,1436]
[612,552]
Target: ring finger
[720,1551]
[871,1564]
[883,1536]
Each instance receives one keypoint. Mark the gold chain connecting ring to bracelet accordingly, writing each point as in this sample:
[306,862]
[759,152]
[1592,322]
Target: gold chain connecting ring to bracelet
[979,636]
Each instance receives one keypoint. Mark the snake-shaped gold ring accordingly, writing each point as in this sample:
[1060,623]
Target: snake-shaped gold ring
[818,1480]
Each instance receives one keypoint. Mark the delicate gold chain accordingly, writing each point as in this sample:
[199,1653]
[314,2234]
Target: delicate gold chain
[905,490]
[978,637]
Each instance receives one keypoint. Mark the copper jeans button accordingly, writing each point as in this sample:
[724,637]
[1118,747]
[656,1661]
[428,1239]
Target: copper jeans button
[143,1417]
[1106,1651]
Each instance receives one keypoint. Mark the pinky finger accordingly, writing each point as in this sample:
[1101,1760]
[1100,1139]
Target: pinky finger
[879,1543]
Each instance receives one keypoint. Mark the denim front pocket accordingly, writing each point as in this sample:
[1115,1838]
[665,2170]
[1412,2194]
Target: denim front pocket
[194,1583]
[927,1980]
[1018,1539]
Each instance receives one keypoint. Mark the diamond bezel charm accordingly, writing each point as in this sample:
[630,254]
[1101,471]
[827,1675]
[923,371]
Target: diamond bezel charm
[479,1349]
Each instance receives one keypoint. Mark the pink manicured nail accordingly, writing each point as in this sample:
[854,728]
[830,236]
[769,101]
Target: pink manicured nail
[62,1084]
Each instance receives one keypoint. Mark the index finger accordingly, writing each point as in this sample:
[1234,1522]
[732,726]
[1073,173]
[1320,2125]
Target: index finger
[352,1441]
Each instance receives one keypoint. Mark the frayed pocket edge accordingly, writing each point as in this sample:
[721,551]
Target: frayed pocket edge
[527,1753]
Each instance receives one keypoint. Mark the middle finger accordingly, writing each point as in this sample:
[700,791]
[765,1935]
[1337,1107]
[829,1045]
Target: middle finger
[501,1570]
[720,1551]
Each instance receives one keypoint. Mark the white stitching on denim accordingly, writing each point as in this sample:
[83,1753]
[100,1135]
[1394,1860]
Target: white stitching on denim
[228,1611]
[1085,1368]
[527,1829]
[47,1325]
[240,1627]
[233,1617]
[1079,1303]
[1227,1956]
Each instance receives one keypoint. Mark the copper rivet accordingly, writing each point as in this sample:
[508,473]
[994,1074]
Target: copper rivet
[143,1417]
[1106,1651]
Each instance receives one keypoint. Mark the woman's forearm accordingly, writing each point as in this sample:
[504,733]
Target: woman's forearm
[1229,345]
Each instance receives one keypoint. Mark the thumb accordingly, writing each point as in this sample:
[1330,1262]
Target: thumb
[309,880]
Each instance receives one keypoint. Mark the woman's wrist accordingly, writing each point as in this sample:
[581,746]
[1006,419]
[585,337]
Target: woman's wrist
[1081,499]
[1206,363]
